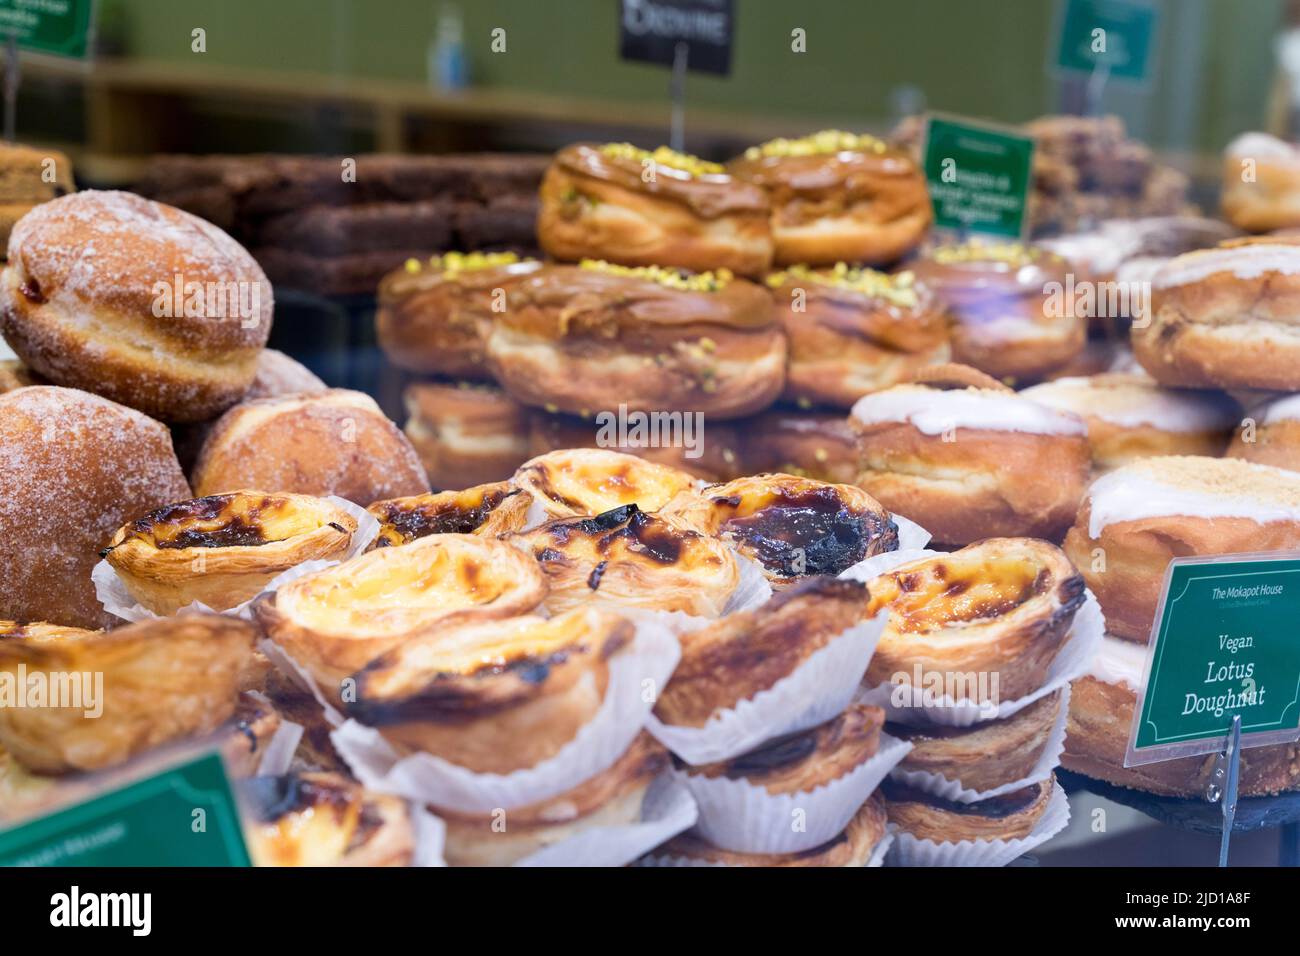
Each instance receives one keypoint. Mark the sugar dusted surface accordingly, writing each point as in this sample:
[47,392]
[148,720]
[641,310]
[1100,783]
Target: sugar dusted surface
[934,411]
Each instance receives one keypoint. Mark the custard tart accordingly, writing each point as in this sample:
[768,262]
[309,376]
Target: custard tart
[999,610]
[487,510]
[793,527]
[139,686]
[494,697]
[629,558]
[222,550]
[580,482]
[336,621]
[1009,816]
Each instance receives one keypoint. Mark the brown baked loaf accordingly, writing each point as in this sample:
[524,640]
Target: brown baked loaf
[74,467]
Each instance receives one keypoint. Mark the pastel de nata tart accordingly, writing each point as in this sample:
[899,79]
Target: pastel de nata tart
[791,526]
[985,755]
[839,196]
[1007,322]
[1010,816]
[295,702]
[1130,416]
[488,510]
[154,681]
[612,798]
[853,847]
[579,482]
[597,336]
[811,442]
[336,621]
[494,697]
[627,557]
[854,331]
[739,655]
[1270,434]
[465,433]
[243,738]
[324,819]
[640,207]
[222,550]
[430,313]
[1001,608]
[967,458]
[1138,518]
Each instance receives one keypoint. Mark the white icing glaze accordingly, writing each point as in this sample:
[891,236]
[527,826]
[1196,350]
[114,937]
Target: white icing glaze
[1262,146]
[1244,262]
[1284,409]
[1134,404]
[1119,662]
[932,411]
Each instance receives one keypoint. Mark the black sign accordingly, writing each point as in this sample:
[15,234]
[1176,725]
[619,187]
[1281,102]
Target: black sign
[649,31]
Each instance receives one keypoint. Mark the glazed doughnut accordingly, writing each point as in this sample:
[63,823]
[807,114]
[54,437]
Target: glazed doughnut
[1270,434]
[336,442]
[430,316]
[1130,417]
[971,462]
[1270,198]
[1226,318]
[641,208]
[1136,519]
[74,467]
[795,441]
[1006,320]
[595,337]
[466,434]
[854,331]
[581,482]
[838,196]
[136,301]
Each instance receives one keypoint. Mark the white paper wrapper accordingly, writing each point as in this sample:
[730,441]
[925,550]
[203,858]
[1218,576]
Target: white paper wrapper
[535,516]
[909,851]
[878,855]
[737,815]
[291,669]
[911,536]
[667,811]
[954,790]
[430,836]
[873,567]
[881,850]
[910,706]
[279,751]
[753,589]
[813,693]
[117,600]
[652,655]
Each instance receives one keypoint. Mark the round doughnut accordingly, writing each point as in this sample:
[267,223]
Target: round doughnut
[1270,433]
[1261,183]
[278,374]
[812,443]
[466,434]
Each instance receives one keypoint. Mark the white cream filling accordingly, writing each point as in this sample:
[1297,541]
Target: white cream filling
[1118,662]
[933,412]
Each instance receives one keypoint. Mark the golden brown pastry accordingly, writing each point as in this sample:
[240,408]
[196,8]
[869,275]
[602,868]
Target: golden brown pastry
[1010,816]
[799,441]
[793,527]
[494,697]
[466,434]
[1007,322]
[489,510]
[643,208]
[73,467]
[613,797]
[1261,183]
[1136,519]
[744,653]
[1001,608]
[224,549]
[431,316]
[324,819]
[967,459]
[854,331]
[14,374]
[336,442]
[853,847]
[598,337]
[144,684]
[278,374]
[838,196]
[580,482]
[136,301]
[336,621]
[1270,434]
[629,558]
[985,755]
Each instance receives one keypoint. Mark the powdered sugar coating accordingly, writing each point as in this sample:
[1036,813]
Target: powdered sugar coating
[1244,262]
[933,411]
[278,374]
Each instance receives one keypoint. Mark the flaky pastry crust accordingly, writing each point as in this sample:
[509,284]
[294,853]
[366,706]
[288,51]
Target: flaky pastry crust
[580,482]
[488,510]
[1010,816]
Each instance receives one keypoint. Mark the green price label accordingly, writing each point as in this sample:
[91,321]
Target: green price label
[57,27]
[1226,644]
[1118,35]
[185,816]
[978,176]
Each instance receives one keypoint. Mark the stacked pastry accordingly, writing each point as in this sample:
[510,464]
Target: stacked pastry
[29,177]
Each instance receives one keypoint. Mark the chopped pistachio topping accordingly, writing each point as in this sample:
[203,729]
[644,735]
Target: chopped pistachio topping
[671,278]
[899,289]
[470,261]
[818,144]
[975,250]
[663,156]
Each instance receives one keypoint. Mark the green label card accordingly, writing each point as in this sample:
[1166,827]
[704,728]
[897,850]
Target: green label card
[184,816]
[978,176]
[58,27]
[1117,34]
[1225,644]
